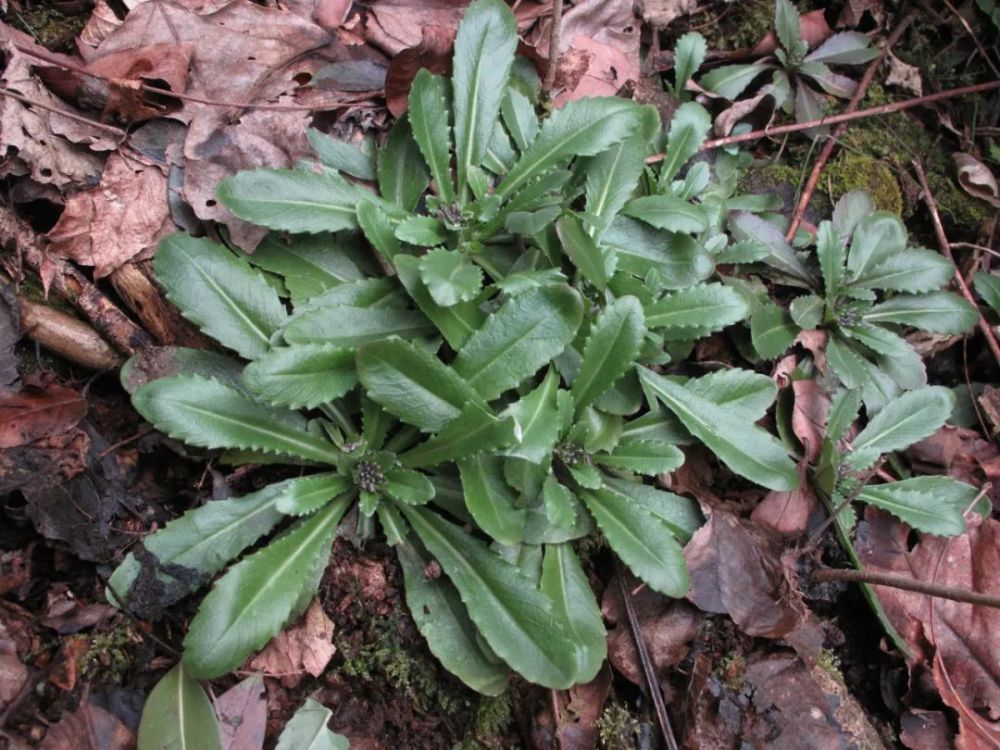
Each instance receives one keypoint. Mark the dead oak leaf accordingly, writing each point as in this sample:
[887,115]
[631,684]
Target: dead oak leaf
[38,413]
[306,647]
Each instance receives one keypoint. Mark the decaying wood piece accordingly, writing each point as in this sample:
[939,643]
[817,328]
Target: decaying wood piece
[70,338]
[150,305]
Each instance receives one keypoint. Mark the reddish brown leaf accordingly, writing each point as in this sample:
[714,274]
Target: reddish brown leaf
[306,647]
[578,718]
[812,405]
[925,730]
[433,53]
[37,413]
[13,650]
[815,31]
[44,462]
[89,728]
[396,25]
[788,513]
[242,714]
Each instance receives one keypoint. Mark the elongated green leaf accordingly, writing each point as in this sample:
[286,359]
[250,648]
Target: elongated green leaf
[379,228]
[376,292]
[669,213]
[641,540]
[932,504]
[896,357]
[689,54]
[565,583]
[408,486]
[527,332]
[746,226]
[208,414]
[353,326]
[988,288]
[916,269]
[430,114]
[489,500]
[845,48]
[729,81]
[402,173]
[413,384]
[220,293]
[450,276]
[302,376]
[474,431]
[258,596]
[772,330]
[442,619]
[939,312]
[307,730]
[584,127]
[678,259]
[832,255]
[456,323]
[519,116]
[341,156]
[178,714]
[484,53]
[293,201]
[304,495]
[681,515]
[560,504]
[536,415]
[518,621]
[612,177]
[904,421]
[611,349]
[744,447]
[583,251]
[688,129]
[310,264]
[163,361]
[876,238]
[744,393]
[647,457]
[706,306]
[787,27]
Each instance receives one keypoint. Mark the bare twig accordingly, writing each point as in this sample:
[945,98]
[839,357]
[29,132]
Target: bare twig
[647,664]
[118,132]
[973,37]
[905,583]
[67,336]
[555,40]
[882,109]
[831,142]
[942,238]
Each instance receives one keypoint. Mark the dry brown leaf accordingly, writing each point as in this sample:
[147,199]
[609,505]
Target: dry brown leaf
[905,76]
[395,25]
[788,513]
[89,728]
[433,53]
[809,415]
[758,111]
[659,13]
[44,462]
[38,413]
[958,639]
[854,11]
[989,402]
[815,31]
[121,219]
[242,712]
[976,178]
[578,728]
[306,647]
[925,730]
[13,672]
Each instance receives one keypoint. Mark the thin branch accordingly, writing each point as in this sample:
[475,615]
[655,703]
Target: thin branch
[662,718]
[942,238]
[883,109]
[555,40]
[905,583]
[973,37]
[70,115]
[831,142]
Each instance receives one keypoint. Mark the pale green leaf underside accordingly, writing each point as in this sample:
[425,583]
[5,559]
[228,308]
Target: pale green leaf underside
[178,714]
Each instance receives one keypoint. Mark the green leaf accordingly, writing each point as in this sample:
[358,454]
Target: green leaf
[257,597]
[560,503]
[938,312]
[583,251]
[807,311]
[305,495]
[745,448]
[402,173]
[689,127]
[527,332]
[689,54]
[669,213]
[347,326]
[832,255]
[430,112]
[293,201]
[772,330]
[932,504]
[584,127]
[220,293]
[917,269]
[988,288]
[208,414]
[310,264]
[565,583]
[641,540]
[408,486]
[612,177]
[709,307]
[537,417]
[845,48]
[474,431]
[897,358]
[484,53]
[490,501]
[519,116]
[787,26]
[905,420]
[746,226]
[200,543]
[456,323]
[307,730]
[728,81]
[851,208]
[678,260]
[302,376]
[178,714]
[413,384]
[422,231]
[518,622]
[341,156]
[442,619]
[647,457]
[155,362]
[450,277]
[876,238]
[747,394]
[610,351]
[681,515]
[378,228]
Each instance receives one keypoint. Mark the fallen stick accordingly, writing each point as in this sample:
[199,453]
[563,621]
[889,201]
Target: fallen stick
[69,337]
[157,314]
[895,581]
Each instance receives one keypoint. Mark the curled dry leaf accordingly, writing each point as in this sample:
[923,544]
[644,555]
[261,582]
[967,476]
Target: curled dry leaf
[905,76]
[396,25]
[758,111]
[433,53]
[976,179]
[304,648]
[121,219]
[44,462]
[958,640]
